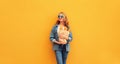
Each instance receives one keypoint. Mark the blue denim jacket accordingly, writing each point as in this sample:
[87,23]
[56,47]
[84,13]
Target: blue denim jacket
[54,36]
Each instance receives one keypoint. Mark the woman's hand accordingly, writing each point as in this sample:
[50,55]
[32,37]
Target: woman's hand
[57,42]
[62,41]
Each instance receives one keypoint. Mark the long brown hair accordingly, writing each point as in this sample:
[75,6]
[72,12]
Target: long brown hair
[66,23]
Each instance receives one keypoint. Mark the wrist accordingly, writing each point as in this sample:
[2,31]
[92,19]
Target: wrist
[56,41]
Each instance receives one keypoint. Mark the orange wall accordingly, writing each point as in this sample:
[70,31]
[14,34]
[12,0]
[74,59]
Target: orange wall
[25,26]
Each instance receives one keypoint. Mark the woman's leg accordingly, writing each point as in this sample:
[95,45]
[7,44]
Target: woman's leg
[64,56]
[59,56]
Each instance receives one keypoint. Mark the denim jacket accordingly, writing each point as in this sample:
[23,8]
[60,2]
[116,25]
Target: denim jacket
[54,36]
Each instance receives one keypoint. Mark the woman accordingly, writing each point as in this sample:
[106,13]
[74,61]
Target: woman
[61,36]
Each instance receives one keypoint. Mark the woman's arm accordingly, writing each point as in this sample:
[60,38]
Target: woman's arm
[52,36]
[70,37]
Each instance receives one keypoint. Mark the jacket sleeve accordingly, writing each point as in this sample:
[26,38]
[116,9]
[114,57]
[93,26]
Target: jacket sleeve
[70,38]
[52,35]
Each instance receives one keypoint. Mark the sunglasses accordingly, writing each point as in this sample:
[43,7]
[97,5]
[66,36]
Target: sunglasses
[60,16]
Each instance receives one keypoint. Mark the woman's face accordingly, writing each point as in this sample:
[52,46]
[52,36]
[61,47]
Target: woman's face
[61,17]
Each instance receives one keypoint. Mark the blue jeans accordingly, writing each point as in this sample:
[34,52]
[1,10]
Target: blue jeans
[61,56]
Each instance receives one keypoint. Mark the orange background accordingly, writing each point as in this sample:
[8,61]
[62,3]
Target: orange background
[25,27]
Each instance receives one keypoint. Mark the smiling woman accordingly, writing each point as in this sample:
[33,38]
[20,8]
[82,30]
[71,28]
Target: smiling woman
[61,37]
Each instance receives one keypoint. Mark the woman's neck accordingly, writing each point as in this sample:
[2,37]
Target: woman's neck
[61,23]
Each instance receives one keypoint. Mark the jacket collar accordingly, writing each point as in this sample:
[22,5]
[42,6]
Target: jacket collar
[56,25]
